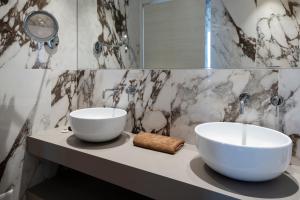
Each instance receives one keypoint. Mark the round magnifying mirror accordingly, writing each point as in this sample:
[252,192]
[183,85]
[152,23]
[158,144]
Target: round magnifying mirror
[41,26]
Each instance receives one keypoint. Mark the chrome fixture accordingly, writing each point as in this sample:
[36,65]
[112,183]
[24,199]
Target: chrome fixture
[42,27]
[131,89]
[7,193]
[244,99]
[114,90]
[277,101]
[98,46]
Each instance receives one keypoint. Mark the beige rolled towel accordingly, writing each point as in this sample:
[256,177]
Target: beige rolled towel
[158,142]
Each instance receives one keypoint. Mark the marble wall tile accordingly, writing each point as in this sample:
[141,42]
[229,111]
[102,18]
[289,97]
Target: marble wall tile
[35,100]
[148,109]
[26,94]
[174,102]
[201,96]
[289,89]
[64,95]
[107,21]
[25,109]
[262,33]
[231,47]
[18,51]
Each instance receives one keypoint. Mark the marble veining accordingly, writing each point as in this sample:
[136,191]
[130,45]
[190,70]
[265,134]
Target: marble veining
[3,2]
[25,131]
[63,96]
[289,89]
[17,50]
[110,22]
[12,32]
[12,24]
[147,109]
[114,33]
[212,95]
[264,34]
[278,37]
[173,102]
[21,117]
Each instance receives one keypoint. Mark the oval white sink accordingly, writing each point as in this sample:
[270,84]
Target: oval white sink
[98,124]
[243,152]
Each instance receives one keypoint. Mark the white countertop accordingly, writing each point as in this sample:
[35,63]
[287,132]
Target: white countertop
[154,174]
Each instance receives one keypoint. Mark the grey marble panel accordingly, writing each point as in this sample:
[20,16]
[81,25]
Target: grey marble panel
[64,94]
[255,34]
[201,96]
[148,109]
[17,50]
[289,89]
[25,109]
[107,21]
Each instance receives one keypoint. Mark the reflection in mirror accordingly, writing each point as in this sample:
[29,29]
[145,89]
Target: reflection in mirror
[108,34]
[159,34]
[255,33]
[176,33]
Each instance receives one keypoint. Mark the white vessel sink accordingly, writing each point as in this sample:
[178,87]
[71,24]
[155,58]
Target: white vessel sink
[243,152]
[98,124]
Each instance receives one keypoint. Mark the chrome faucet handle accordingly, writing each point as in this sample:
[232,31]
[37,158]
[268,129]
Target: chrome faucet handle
[244,99]
[277,101]
[131,89]
[114,90]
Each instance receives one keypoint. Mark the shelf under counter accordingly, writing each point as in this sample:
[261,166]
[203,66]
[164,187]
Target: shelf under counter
[154,174]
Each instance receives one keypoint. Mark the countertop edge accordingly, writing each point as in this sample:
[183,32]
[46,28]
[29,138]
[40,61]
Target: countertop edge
[153,185]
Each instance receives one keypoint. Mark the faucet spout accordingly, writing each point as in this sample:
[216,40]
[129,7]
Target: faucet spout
[244,99]
[242,107]
[106,90]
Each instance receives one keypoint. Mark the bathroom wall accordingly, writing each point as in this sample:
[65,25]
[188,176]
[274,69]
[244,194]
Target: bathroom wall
[173,102]
[261,34]
[107,21]
[255,33]
[27,76]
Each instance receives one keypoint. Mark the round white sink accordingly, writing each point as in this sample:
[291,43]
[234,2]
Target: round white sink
[98,124]
[243,152]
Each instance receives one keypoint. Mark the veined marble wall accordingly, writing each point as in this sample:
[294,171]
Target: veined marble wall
[27,77]
[255,33]
[107,21]
[173,102]
[18,51]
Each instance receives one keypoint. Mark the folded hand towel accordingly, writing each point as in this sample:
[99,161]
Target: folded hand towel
[158,142]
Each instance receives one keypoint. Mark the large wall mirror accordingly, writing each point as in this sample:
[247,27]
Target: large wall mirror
[141,34]
[188,34]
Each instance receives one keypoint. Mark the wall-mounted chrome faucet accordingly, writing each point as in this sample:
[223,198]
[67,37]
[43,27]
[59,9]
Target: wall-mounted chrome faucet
[277,101]
[114,90]
[244,99]
[131,89]
[98,46]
